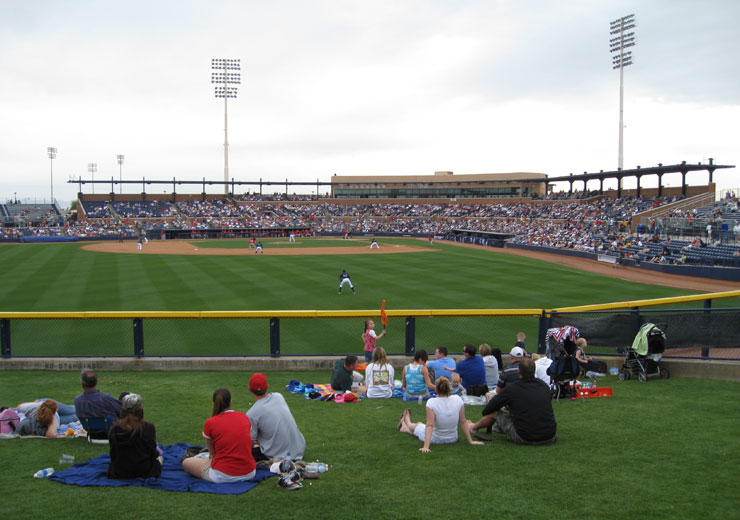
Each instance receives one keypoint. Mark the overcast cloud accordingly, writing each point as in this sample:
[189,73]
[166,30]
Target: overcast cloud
[359,88]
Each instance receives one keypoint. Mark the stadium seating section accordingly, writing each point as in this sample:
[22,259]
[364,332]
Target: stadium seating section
[578,221]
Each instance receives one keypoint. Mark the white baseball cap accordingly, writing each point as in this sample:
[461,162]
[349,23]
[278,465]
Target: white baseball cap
[517,352]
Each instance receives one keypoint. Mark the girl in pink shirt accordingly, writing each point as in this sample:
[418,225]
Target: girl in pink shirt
[370,337]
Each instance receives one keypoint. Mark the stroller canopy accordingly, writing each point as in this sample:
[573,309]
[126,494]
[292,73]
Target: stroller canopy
[647,333]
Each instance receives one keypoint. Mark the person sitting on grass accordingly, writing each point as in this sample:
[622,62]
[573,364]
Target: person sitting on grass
[587,363]
[491,364]
[529,419]
[133,443]
[344,378]
[93,403]
[443,414]
[379,376]
[472,370]
[415,378]
[274,430]
[229,443]
[43,423]
[456,387]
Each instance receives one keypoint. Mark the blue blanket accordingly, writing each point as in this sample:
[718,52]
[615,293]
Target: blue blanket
[173,478]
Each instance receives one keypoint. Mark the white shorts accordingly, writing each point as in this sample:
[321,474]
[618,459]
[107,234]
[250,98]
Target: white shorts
[213,475]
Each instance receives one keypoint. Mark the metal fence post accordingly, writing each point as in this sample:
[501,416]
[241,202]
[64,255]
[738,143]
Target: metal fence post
[708,313]
[638,325]
[138,337]
[410,336]
[274,337]
[545,323]
[5,337]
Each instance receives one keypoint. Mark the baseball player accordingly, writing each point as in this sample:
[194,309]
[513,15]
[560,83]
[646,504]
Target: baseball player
[374,243]
[258,248]
[292,237]
[343,279]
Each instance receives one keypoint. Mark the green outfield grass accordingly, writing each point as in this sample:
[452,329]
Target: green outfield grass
[663,449]
[63,277]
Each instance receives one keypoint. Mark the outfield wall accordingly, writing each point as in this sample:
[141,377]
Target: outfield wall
[701,333]
[691,368]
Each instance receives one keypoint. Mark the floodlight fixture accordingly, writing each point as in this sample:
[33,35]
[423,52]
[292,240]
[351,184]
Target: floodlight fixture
[225,82]
[622,40]
[52,155]
[120,158]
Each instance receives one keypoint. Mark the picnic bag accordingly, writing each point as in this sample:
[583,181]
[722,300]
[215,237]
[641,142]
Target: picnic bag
[8,420]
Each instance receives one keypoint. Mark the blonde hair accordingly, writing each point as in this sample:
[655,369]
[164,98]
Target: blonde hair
[581,342]
[455,378]
[484,350]
[521,336]
[379,357]
[536,356]
[443,386]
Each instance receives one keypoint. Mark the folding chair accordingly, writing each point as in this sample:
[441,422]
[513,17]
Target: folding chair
[97,428]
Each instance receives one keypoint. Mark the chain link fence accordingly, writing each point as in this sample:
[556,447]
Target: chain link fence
[698,333]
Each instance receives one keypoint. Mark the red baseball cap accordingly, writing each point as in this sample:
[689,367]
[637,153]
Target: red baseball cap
[257,382]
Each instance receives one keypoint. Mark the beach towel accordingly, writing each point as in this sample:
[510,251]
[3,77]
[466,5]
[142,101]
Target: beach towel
[173,478]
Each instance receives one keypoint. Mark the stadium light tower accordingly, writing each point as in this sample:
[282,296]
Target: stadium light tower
[52,155]
[620,41]
[120,173]
[92,168]
[224,79]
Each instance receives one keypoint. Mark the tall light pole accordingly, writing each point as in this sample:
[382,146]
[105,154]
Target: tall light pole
[120,173]
[92,168]
[225,79]
[617,44]
[52,155]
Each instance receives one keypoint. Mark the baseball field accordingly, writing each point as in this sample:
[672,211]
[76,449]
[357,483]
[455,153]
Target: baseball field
[225,275]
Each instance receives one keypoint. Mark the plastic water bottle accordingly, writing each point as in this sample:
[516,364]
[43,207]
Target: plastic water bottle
[43,473]
[593,385]
[66,459]
[317,467]
[420,400]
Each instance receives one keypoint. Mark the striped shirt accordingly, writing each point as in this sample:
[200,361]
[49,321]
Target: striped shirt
[94,403]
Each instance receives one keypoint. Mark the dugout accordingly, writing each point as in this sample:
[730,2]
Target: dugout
[481,238]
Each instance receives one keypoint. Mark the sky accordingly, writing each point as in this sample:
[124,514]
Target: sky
[398,87]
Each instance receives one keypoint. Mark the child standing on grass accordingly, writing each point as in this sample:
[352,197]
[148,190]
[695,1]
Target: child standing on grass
[520,337]
[369,337]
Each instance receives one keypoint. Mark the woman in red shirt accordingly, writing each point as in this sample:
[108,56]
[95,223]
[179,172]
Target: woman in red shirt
[227,435]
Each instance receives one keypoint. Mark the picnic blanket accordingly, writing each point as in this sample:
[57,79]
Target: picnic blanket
[318,390]
[173,478]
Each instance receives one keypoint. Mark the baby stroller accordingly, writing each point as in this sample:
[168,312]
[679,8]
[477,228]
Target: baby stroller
[643,357]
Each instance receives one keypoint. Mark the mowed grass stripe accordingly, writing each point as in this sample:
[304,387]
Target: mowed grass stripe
[27,270]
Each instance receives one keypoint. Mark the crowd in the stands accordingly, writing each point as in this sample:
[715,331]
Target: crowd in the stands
[599,225]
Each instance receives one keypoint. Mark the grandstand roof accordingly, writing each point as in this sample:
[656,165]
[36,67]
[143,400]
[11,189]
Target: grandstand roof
[437,177]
